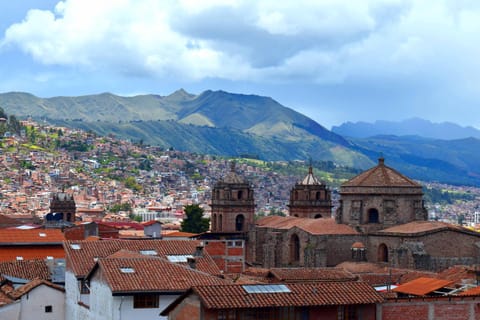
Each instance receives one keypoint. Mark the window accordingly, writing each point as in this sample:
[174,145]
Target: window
[294,249]
[239,221]
[347,313]
[373,216]
[48,309]
[84,287]
[143,301]
[149,252]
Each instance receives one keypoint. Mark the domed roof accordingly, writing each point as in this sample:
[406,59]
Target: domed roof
[380,176]
[310,179]
[232,176]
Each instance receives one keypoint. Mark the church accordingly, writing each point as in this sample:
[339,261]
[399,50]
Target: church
[381,219]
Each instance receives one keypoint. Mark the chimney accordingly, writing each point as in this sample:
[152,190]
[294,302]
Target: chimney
[192,262]
[198,251]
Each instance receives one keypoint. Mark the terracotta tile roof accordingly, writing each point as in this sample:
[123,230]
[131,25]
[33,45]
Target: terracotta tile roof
[20,291]
[82,260]
[25,269]
[471,292]
[381,176]
[322,226]
[305,294]
[458,274]
[422,286]
[423,226]
[377,275]
[31,236]
[151,222]
[180,234]
[29,252]
[150,275]
[311,274]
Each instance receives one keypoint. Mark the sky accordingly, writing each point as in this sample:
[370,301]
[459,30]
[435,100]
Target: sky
[332,60]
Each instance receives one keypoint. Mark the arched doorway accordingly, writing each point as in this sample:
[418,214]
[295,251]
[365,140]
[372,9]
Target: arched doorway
[294,249]
[239,222]
[373,216]
[382,253]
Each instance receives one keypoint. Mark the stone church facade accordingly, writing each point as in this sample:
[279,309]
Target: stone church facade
[381,219]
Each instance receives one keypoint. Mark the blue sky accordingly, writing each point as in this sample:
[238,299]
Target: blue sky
[333,60]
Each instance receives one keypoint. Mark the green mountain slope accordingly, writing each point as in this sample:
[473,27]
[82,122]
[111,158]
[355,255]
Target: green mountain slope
[214,122]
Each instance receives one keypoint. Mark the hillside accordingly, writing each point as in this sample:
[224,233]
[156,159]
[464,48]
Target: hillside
[214,122]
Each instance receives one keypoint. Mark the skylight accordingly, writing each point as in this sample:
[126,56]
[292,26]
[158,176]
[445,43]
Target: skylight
[41,234]
[148,252]
[127,270]
[75,246]
[179,258]
[266,288]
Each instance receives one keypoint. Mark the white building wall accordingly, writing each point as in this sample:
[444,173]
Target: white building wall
[101,301]
[125,304]
[74,311]
[11,311]
[33,304]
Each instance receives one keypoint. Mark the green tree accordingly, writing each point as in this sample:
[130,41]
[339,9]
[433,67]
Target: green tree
[194,221]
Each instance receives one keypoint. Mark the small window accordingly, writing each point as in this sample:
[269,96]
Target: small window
[42,234]
[48,309]
[75,246]
[149,252]
[145,301]
[127,270]
[19,258]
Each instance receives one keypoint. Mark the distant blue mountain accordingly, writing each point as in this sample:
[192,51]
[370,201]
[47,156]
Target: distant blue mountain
[409,127]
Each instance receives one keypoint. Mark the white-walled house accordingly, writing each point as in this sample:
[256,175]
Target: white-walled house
[90,296]
[139,287]
[38,299]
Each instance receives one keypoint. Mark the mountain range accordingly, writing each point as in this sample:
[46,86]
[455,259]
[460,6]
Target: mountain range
[222,123]
[408,127]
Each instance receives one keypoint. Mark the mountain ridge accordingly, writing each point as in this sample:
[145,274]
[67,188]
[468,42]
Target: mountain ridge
[407,127]
[226,124]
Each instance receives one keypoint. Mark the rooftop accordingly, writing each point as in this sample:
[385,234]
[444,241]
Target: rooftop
[305,294]
[381,176]
[322,226]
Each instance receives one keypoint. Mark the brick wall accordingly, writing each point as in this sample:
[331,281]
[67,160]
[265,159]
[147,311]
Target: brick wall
[439,308]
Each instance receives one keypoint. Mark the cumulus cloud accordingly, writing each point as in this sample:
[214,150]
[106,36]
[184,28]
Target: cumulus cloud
[326,41]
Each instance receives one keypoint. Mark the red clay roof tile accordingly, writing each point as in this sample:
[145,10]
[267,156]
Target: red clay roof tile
[305,294]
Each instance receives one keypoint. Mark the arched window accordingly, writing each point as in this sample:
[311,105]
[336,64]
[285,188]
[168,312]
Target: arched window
[69,217]
[214,222]
[373,216]
[220,222]
[239,222]
[240,195]
[317,195]
[294,248]
[317,216]
[382,253]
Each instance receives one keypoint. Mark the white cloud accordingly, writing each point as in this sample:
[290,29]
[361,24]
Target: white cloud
[326,41]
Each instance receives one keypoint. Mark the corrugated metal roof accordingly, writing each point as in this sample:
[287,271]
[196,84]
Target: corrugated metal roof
[422,286]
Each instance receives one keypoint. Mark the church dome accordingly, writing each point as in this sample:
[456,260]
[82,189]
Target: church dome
[380,176]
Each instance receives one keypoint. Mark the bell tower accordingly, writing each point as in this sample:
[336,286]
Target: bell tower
[233,205]
[310,198]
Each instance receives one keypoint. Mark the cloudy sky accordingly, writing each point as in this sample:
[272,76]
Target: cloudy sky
[333,60]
